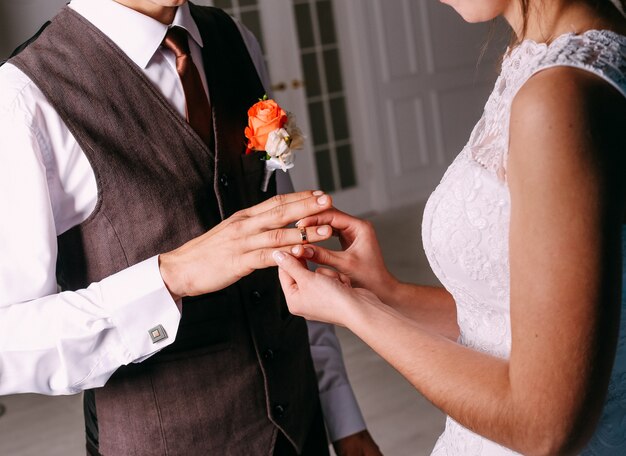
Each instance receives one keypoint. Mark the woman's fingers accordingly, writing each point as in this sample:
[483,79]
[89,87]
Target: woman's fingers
[320,255]
[287,283]
[292,266]
[334,275]
[302,251]
[320,296]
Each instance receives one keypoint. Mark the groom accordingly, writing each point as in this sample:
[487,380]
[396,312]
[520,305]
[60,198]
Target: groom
[128,179]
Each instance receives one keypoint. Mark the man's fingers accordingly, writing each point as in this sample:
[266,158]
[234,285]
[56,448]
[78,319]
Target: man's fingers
[334,217]
[288,236]
[280,200]
[284,214]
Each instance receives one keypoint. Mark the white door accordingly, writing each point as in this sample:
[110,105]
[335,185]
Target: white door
[426,88]
[305,56]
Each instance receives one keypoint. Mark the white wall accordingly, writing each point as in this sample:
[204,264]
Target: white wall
[20,19]
[415,60]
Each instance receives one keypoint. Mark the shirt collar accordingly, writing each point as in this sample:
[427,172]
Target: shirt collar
[116,20]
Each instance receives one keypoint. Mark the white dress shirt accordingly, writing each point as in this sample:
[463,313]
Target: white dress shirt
[63,343]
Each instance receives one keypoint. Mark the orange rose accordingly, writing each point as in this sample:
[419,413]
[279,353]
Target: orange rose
[263,118]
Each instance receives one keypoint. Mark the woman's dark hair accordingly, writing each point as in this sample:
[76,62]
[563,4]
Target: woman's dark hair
[517,39]
[525,5]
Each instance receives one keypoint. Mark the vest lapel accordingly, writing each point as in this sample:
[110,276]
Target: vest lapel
[234,86]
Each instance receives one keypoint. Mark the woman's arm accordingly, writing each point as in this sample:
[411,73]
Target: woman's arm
[431,308]
[565,173]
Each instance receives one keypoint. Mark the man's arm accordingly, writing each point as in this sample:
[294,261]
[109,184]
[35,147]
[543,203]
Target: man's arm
[61,343]
[339,405]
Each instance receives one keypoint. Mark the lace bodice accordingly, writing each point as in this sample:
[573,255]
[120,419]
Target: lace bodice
[466,227]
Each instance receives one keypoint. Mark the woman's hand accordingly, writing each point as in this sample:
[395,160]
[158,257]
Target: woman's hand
[361,259]
[240,244]
[362,262]
[323,295]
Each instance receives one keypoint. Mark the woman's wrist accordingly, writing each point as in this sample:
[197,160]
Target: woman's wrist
[362,311]
[388,289]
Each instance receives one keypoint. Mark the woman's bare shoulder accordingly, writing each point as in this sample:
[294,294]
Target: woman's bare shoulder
[563,115]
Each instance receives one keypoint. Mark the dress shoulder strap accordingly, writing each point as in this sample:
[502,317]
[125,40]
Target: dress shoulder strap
[602,52]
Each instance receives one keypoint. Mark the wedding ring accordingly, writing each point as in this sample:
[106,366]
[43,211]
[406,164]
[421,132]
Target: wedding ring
[303,236]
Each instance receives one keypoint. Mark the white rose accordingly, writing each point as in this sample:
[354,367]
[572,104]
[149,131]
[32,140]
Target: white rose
[273,164]
[278,142]
[287,160]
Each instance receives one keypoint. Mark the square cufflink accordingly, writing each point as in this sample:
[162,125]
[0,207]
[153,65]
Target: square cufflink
[157,334]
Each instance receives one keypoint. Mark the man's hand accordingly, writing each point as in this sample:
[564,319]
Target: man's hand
[359,444]
[240,244]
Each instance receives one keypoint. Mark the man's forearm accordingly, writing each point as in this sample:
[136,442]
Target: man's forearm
[67,342]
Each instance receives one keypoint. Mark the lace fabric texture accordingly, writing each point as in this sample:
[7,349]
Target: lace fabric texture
[465,229]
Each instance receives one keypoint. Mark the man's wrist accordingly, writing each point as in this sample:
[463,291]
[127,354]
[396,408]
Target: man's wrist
[169,275]
[361,444]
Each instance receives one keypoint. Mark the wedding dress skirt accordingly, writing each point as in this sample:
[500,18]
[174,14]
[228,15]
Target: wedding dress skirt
[466,227]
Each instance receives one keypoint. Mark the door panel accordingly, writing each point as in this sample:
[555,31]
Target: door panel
[428,83]
[387,91]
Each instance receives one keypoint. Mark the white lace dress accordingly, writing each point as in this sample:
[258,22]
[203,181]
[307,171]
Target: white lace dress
[466,230]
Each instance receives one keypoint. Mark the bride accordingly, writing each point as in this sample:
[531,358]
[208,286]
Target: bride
[522,348]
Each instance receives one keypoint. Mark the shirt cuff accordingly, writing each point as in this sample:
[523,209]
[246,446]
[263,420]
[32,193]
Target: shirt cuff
[142,309]
[341,413]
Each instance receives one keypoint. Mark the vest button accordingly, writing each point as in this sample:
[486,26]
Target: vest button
[224,180]
[256,297]
[279,411]
[268,354]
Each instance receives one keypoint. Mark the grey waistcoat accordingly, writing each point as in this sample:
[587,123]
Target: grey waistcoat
[240,369]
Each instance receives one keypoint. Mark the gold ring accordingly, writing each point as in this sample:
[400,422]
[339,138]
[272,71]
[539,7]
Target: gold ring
[303,236]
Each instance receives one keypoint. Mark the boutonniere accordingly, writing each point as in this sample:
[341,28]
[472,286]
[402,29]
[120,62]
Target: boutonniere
[274,131]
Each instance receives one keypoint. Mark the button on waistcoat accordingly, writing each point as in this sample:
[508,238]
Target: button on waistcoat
[240,368]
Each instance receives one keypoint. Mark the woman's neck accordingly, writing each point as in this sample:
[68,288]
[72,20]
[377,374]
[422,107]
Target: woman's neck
[548,19]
